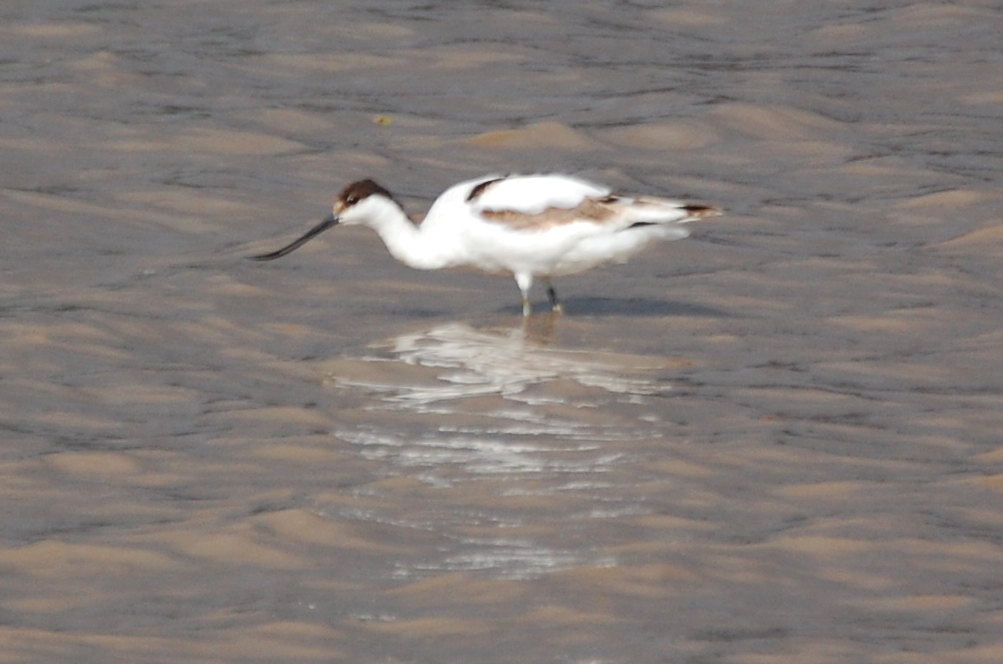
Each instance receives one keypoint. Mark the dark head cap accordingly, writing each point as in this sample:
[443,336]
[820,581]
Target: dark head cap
[359,191]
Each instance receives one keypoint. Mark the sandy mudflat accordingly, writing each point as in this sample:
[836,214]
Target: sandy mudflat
[775,442]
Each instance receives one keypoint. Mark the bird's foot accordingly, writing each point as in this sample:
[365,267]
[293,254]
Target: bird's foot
[554,302]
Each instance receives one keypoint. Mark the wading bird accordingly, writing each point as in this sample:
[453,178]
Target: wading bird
[527,226]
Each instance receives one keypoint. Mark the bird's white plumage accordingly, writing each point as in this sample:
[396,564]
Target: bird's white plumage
[525,225]
[533,194]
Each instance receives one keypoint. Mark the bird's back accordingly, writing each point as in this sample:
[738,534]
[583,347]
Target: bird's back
[550,224]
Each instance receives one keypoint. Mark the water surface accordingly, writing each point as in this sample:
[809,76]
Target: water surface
[776,441]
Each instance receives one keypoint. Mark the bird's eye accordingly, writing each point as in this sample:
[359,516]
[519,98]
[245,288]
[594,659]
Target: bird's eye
[351,199]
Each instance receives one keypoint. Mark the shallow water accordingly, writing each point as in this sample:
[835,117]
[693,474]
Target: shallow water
[776,441]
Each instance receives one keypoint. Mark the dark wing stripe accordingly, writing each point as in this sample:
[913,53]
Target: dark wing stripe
[701,210]
[480,187]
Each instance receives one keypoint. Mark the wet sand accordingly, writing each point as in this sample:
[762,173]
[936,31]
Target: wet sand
[776,441]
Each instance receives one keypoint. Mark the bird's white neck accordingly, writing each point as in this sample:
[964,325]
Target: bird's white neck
[405,239]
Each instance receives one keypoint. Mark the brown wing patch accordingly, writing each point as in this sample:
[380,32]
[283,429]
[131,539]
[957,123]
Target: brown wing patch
[594,210]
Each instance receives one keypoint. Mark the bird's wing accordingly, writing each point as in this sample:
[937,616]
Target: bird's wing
[532,194]
[539,202]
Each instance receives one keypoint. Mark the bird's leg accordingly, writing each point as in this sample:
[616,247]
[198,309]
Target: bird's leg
[552,296]
[525,281]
